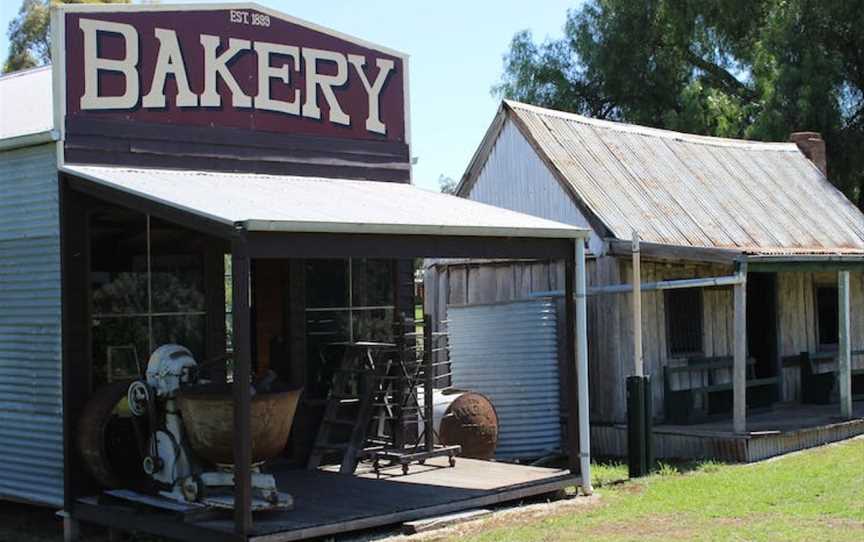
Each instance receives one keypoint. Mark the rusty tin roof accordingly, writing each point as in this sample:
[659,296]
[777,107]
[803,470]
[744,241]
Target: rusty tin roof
[687,190]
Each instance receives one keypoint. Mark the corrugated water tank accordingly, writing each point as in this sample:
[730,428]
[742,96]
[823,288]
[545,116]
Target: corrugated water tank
[509,353]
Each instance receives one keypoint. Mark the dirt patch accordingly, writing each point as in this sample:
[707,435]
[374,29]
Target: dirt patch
[500,518]
[659,527]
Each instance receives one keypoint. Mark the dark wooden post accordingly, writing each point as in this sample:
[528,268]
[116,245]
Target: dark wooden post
[242,382]
[76,338]
[569,365]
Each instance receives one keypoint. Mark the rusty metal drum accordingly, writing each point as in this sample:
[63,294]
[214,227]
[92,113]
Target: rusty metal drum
[468,419]
[208,418]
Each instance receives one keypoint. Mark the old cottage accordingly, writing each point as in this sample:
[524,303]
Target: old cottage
[732,211]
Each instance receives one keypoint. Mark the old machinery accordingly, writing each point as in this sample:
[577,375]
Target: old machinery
[184,431]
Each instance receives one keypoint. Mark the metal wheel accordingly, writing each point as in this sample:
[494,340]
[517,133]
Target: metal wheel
[106,438]
[138,397]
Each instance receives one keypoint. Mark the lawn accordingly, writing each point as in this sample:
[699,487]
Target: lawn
[813,495]
[810,496]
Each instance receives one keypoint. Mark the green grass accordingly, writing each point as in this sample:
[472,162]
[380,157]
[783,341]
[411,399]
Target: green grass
[814,495]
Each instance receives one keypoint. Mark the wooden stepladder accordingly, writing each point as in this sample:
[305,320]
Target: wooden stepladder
[358,385]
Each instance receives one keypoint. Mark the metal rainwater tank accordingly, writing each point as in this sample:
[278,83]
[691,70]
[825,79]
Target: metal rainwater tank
[509,353]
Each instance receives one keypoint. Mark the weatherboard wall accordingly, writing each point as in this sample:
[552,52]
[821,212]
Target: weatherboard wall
[515,178]
[798,325]
[610,322]
[31,414]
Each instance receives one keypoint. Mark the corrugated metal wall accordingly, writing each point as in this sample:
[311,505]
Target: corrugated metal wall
[31,416]
[509,353]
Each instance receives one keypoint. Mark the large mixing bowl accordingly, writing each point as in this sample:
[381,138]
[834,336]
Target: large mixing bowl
[208,417]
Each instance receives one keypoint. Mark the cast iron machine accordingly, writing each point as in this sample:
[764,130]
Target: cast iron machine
[184,432]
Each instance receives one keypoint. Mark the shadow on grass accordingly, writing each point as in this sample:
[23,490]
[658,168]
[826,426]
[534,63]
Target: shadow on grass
[609,471]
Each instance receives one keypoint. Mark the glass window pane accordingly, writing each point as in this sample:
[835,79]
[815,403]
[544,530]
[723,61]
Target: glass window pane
[373,325]
[119,344]
[188,331]
[177,266]
[326,283]
[372,282]
[118,272]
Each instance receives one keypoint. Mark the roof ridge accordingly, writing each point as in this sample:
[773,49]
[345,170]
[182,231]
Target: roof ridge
[516,106]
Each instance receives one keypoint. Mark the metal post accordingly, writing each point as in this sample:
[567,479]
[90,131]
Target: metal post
[844,356]
[582,368]
[399,386]
[637,461]
[739,371]
[240,270]
[428,377]
[638,359]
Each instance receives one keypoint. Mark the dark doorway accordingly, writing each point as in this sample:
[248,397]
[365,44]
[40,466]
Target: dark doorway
[762,331]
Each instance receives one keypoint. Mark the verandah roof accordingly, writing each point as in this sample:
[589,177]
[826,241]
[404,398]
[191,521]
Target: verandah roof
[321,205]
[304,217]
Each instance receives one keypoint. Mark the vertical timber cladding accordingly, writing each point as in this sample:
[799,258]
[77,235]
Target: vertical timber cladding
[229,89]
[31,408]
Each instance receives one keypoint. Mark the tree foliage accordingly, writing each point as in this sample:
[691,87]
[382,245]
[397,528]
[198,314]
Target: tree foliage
[754,69]
[30,36]
[446,184]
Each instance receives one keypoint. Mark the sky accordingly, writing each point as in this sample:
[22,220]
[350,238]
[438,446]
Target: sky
[456,49]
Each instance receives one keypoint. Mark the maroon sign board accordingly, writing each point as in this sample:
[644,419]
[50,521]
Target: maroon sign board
[233,69]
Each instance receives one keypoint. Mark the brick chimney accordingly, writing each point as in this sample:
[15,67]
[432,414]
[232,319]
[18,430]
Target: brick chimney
[813,147]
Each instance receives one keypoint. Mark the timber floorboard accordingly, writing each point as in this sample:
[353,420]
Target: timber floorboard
[327,503]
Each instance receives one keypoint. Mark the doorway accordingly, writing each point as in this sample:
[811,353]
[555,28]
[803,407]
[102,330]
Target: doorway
[762,334]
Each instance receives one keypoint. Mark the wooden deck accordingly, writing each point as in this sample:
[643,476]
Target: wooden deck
[329,503]
[783,429]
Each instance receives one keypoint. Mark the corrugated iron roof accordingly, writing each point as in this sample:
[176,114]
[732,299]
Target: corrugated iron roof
[310,204]
[689,190]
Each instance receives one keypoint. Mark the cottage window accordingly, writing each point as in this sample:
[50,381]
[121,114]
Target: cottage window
[684,322]
[826,316]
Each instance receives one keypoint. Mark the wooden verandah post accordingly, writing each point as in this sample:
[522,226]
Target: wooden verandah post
[240,272]
[739,366]
[638,357]
[844,354]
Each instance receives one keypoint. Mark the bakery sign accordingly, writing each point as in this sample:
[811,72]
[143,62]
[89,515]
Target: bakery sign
[237,67]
